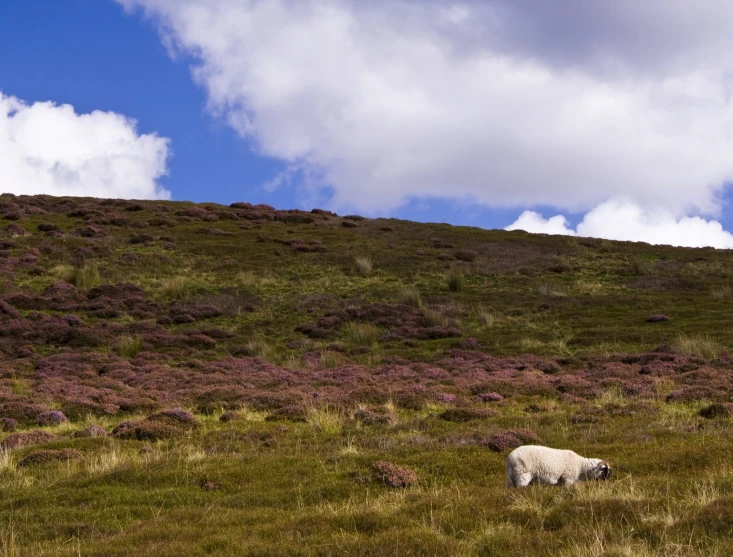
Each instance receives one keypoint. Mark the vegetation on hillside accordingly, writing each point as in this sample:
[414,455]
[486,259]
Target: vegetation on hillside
[181,379]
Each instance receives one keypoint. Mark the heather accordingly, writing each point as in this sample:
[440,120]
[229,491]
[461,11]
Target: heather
[181,379]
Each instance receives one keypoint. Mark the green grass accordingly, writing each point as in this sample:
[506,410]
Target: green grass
[311,486]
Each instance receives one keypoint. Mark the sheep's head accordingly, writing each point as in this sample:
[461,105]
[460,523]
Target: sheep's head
[601,471]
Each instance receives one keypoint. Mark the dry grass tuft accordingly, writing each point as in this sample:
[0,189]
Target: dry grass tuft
[363,265]
[83,278]
[410,297]
[129,346]
[324,419]
[702,346]
[455,281]
[361,334]
[176,288]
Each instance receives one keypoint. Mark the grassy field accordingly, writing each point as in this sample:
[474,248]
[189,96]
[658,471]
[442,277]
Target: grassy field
[181,379]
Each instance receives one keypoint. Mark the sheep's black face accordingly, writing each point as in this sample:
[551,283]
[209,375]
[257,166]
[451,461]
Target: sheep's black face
[603,471]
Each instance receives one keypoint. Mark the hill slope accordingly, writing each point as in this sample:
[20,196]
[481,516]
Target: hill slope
[305,347]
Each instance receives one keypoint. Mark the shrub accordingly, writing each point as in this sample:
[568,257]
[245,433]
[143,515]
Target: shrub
[361,334]
[129,346]
[8,424]
[393,475]
[175,416]
[510,439]
[49,455]
[454,280]
[147,430]
[231,415]
[372,417]
[48,227]
[52,417]
[467,414]
[91,431]
[715,411]
[363,265]
[25,438]
[22,412]
[293,413]
[490,397]
[466,255]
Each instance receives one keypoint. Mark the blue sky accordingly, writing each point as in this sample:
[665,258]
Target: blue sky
[91,55]
[460,115]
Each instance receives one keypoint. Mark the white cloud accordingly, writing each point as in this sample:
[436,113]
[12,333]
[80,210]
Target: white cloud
[514,103]
[531,221]
[48,148]
[625,220]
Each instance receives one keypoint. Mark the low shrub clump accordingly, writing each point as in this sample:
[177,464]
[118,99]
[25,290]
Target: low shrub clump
[510,439]
[371,417]
[455,281]
[43,456]
[52,417]
[393,475]
[26,438]
[91,431]
[175,416]
[716,410]
[146,431]
[467,414]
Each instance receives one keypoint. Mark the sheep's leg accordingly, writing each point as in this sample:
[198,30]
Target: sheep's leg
[509,481]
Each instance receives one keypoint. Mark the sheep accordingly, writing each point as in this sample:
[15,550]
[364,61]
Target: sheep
[535,464]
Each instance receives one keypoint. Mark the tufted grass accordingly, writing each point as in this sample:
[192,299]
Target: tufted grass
[310,485]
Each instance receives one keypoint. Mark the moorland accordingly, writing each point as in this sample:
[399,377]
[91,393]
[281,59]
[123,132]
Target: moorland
[201,379]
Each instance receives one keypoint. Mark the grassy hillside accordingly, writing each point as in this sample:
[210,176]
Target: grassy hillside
[181,379]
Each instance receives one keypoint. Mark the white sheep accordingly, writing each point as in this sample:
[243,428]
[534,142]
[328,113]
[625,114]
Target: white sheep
[535,464]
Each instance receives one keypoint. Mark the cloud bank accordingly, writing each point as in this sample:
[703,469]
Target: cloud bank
[624,220]
[49,149]
[512,103]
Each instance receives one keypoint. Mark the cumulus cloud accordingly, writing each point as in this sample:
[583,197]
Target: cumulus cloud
[625,220]
[513,103]
[532,221]
[48,148]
